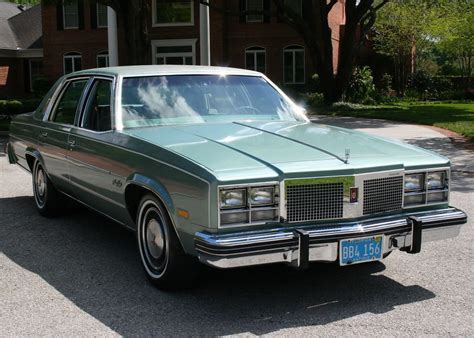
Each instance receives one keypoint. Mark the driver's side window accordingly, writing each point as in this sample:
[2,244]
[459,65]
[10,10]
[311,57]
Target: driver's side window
[97,114]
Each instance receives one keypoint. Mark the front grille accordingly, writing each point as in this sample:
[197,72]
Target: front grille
[309,202]
[383,194]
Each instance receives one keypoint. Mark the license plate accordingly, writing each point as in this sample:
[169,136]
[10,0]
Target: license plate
[360,250]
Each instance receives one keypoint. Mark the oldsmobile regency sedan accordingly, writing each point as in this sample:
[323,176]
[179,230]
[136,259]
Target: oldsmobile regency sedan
[220,165]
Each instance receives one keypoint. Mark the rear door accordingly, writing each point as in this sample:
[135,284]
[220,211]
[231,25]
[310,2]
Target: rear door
[54,133]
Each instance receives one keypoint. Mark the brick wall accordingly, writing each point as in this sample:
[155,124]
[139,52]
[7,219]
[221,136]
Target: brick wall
[229,39]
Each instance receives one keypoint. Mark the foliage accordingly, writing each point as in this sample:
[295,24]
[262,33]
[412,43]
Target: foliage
[9,108]
[361,88]
[313,27]
[26,2]
[422,82]
[385,85]
[456,36]
[403,29]
[314,99]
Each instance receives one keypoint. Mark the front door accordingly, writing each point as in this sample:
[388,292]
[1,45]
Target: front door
[97,175]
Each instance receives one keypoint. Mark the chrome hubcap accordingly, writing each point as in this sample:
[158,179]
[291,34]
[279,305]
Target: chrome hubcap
[40,183]
[155,239]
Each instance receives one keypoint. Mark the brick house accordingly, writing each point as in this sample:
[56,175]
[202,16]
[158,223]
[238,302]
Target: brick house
[75,37]
[21,50]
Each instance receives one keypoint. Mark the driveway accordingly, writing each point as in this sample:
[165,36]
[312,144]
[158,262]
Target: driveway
[80,275]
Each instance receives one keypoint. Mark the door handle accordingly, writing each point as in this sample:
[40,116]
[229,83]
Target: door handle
[44,135]
[72,143]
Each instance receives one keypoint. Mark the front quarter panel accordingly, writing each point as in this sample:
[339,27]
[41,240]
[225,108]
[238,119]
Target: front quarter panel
[178,183]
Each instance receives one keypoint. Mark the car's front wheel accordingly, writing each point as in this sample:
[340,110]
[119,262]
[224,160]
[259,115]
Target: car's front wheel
[165,263]
[47,198]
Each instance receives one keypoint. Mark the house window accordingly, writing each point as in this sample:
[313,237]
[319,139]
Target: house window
[255,59]
[72,62]
[173,13]
[102,59]
[174,52]
[70,14]
[101,16]
[293,65]
[255,5]
[36,71]
[295,5]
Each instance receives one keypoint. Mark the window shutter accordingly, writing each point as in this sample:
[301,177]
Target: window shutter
[267,10]
[59,16]
[93,8]
[80,11]
[242,9]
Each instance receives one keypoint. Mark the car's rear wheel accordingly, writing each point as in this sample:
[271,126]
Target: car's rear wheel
[165,263]
[47,198]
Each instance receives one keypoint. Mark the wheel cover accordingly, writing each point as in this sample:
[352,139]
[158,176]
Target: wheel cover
[40,186]
[153,239]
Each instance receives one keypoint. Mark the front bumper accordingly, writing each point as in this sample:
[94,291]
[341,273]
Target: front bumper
[299,245]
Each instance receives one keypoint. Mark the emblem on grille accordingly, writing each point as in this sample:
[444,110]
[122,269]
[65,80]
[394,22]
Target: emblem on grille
[354,195]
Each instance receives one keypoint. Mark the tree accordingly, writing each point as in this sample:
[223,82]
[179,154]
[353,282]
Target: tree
[316,32]
[404,28]
[313,27]
[456,37]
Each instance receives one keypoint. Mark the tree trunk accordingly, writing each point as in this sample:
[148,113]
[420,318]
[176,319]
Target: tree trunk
[135,18]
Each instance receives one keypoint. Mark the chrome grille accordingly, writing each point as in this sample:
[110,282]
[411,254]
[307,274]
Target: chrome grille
[383,194]
[309,202]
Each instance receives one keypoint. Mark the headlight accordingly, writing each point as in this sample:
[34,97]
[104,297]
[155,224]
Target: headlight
[436,180]
[262,196]
[235,198]
[414,182]
[247,205]
[429,187]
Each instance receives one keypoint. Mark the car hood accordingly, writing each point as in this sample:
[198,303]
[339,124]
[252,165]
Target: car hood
[257,149]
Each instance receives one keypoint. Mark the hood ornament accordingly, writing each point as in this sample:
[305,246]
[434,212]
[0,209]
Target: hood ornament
[347,156]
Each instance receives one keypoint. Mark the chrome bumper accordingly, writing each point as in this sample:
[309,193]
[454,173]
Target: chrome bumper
[299,245]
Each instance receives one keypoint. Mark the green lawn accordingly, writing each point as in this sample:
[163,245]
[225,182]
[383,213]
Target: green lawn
[458,117]
[4,125]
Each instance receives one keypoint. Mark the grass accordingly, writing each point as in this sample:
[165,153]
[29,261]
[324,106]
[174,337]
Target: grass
[457,117]
[4,124]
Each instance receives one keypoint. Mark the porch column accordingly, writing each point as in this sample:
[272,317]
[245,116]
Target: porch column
[112,37]
[204,36]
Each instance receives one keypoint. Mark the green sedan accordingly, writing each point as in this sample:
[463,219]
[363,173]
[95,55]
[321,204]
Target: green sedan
[218,166]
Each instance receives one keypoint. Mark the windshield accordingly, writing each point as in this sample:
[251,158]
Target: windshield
[184,99]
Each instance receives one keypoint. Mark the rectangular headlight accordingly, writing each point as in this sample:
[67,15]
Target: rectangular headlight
[233,198]
[436,180]
[262,196]
[414,182]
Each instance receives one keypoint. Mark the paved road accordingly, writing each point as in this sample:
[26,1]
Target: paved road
[80,275]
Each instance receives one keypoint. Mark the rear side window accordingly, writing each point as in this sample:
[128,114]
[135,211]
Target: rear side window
[97,115]
[43,106]
[66,107]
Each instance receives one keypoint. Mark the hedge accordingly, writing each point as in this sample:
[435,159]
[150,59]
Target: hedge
[9,108]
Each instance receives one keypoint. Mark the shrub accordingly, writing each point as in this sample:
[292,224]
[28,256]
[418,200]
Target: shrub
[385,85]
[314,99]
[361,87]
[422,83]
[10,107]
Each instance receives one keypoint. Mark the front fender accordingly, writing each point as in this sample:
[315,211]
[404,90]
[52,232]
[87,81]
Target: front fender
[155,187]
